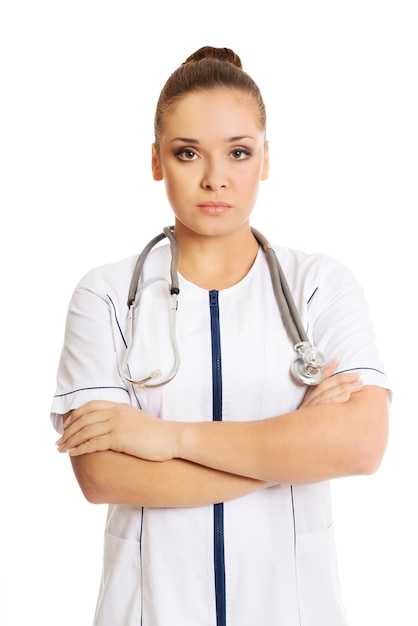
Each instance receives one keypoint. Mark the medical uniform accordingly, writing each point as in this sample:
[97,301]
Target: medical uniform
[265,559]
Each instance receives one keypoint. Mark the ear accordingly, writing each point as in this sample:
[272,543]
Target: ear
[266,164]
[155,164]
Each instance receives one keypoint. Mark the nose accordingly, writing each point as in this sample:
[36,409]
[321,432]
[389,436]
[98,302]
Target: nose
[213,177]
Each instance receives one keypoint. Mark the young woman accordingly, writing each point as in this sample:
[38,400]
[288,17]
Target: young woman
[217,481]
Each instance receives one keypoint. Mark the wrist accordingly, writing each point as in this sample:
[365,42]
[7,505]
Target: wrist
[177,439]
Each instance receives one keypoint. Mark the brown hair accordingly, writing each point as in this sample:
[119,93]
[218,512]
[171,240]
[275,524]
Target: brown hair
[207,69]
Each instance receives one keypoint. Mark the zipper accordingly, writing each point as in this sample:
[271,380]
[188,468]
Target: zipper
[218,509]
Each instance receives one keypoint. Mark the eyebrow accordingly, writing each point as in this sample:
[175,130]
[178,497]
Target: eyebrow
[184,140]
[195,141]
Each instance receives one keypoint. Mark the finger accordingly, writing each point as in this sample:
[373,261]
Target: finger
[70,429]
[337,399]
[82,433]
[344,396]
[326,386]
[326,383]
[97,444]
[331,387]
[330,368]
[66,419]
[336,381]
[339,393]
[73,425]
[87,408]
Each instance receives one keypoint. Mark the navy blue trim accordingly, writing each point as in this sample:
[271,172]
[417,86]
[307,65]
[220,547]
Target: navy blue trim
[355,369]
[219,560]
[352,369]
[218,509]
[216,357]
[61,395]
[309,299]
[117,321]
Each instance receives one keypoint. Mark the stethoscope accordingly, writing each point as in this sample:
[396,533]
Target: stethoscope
[307,369]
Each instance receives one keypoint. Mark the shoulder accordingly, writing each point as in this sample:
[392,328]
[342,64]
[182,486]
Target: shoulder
[315,269]
[114,279]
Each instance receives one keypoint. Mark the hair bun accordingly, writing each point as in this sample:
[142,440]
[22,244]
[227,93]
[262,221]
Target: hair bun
[221,54]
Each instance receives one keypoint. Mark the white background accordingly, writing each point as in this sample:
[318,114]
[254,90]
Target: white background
[79,82]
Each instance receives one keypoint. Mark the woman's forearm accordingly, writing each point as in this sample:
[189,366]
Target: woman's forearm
[309,445]
[329,437]
[116,478]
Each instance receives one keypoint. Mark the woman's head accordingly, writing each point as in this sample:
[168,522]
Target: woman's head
[210,145]
[207,69]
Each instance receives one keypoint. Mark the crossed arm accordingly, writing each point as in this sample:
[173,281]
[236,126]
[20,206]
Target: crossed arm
[123,455]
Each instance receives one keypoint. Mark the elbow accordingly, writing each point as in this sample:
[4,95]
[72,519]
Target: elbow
[371,432]
[369,464]
[371,452]
[92,492]
[89,479]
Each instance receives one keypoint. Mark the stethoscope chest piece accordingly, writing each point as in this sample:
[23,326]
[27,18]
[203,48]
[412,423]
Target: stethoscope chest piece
[309,368]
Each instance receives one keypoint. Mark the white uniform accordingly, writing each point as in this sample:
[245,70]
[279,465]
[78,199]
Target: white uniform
[273,551]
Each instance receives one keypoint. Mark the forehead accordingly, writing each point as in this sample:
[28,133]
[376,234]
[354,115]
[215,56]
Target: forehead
[221,108]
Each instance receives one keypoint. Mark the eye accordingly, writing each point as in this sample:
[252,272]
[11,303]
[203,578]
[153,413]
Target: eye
[186,154]
[240,154]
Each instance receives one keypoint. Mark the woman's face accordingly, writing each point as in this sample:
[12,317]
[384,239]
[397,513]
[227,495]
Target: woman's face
[212,155]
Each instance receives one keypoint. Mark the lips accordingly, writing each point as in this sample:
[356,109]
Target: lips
[215,205]
[214,208]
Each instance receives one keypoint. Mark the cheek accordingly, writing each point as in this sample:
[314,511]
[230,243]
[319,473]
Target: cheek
[176,187]
[170,190]
[251,182]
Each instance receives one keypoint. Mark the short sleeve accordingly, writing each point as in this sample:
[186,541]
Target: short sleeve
[89,363]
[342,326]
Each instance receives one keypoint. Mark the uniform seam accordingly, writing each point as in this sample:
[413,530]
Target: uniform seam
[295,551]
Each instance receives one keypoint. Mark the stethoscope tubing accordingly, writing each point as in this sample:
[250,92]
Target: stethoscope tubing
[284,297]
[308,369]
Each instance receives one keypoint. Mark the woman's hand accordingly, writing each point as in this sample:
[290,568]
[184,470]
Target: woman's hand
[102,425]
[333,388]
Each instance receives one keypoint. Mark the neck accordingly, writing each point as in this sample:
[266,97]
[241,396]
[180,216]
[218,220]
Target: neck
[216,262]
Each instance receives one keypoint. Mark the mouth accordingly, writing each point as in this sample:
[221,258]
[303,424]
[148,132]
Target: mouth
[214,208]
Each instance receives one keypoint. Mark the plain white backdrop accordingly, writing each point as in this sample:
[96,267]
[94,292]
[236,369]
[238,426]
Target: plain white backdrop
[79,82]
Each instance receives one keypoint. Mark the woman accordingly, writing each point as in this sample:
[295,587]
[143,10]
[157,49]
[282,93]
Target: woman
[217,482]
